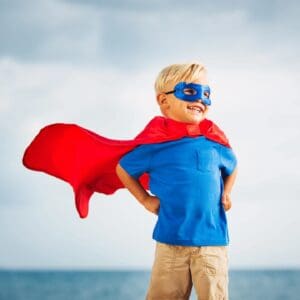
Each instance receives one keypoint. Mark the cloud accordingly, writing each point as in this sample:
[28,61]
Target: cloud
[198,7]
[132,34]
[47,30]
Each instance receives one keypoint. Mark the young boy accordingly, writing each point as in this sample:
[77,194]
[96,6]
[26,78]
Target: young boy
[191,179]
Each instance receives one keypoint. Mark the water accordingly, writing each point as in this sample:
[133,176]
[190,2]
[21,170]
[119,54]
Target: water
[132,285]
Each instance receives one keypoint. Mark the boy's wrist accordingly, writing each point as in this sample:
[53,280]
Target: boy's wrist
[226,192]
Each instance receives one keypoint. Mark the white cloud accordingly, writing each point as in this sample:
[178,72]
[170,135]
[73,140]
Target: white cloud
[100,33]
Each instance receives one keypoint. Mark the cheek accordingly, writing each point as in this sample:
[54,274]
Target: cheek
[177,106]
[183,108]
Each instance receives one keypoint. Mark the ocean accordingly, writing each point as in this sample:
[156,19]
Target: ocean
[132,285]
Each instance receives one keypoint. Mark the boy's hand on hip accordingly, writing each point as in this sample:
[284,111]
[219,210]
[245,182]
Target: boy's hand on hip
[152,204]
[226,201]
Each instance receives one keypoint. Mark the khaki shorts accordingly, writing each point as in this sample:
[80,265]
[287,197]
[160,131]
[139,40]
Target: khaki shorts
[177,268]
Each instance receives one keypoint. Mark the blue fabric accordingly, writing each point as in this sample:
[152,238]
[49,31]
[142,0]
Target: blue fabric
[187,176]
[192,92]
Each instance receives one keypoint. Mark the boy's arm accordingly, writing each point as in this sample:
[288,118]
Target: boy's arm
[228,184]
[150,202]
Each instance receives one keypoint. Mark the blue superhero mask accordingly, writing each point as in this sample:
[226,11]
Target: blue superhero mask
[192,92]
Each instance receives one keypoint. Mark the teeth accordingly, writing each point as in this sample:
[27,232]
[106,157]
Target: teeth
[195,108]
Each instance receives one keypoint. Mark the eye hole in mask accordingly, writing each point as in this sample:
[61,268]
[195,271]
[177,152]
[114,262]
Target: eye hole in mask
[189,91]
[206,94]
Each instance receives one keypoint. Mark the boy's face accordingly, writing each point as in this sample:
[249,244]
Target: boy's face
[180,110]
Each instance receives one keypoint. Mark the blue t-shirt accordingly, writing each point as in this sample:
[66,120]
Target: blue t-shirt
[187,177]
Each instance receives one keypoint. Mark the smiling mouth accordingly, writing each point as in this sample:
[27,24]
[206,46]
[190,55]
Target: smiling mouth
[195,108]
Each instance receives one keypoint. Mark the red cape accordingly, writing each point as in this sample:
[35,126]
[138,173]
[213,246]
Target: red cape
[87,161]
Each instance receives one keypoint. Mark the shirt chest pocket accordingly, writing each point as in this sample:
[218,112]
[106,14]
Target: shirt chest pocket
[207,160]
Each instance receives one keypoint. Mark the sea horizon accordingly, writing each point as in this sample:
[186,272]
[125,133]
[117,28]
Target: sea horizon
[129,284]
[132,269]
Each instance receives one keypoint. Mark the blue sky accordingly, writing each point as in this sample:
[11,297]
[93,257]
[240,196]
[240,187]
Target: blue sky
[94,63]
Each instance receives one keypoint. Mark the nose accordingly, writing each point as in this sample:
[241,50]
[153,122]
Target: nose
[206,102]
[200,101]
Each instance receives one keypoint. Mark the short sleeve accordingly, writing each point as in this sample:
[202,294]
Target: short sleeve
[137,161]
[228,160]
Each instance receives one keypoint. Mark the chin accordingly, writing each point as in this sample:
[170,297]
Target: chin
[196,120]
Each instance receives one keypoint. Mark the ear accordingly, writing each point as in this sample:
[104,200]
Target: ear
[162,99]
[163,103]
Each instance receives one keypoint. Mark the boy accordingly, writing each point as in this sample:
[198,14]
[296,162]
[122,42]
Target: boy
[191,179]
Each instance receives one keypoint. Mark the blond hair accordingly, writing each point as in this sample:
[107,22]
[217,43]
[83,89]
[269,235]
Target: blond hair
[178,72]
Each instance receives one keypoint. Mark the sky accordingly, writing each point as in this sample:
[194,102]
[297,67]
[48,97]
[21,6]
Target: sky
[94,63]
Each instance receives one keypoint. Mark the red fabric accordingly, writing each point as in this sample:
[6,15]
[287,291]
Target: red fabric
[87,161]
